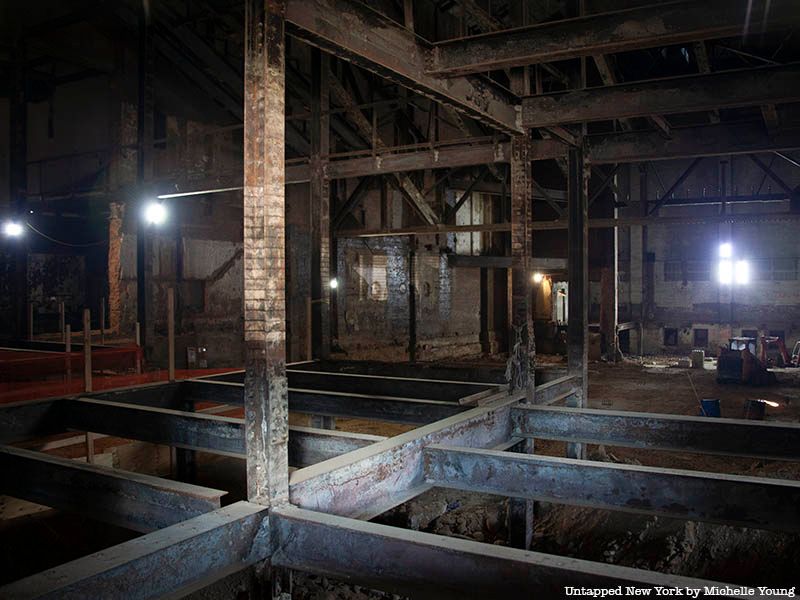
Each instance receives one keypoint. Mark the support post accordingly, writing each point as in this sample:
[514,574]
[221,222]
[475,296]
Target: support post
[62,321]
[266,387]
[144,171]
[320,200]
[68,350]
[30,320]
[18,181]
[412,300]
[102,321]
[522,358]
[171,333]
[138,334]
[87,350]
[578,279]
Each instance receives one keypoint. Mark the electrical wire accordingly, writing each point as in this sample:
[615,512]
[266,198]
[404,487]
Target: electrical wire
[55,241]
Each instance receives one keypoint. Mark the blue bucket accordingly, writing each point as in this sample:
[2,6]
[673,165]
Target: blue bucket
[710,407]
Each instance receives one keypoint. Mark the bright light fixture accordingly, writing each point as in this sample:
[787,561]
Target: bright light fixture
[155,213]
[334,283]
[12,228]
[725,250]
[725,272]
[742,272]
[538,277]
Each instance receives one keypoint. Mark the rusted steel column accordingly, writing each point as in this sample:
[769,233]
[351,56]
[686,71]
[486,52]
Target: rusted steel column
[320,202]
[18,184]
[523,350]
[609,311]
[87,350]
[578,277]
[117,211]
[521,317]
[265,390]
[144,174]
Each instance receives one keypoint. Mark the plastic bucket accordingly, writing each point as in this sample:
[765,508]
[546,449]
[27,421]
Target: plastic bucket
[710,407]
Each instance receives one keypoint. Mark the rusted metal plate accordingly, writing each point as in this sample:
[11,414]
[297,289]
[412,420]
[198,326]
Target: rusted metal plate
[729,437]
[729,499]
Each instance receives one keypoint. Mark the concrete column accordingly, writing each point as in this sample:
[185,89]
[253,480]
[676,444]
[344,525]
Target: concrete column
[578,278]
[320,202]
[266,398]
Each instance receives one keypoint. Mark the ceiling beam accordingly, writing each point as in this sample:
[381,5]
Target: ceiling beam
[687,142]
[664,24]
[353,31]
[694,93]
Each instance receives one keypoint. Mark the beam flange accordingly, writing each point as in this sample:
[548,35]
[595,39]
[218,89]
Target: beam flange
[692,93]
[609,33]
[132,500]
[727,437]
[756,502]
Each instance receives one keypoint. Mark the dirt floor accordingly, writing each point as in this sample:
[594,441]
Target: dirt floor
[707,551]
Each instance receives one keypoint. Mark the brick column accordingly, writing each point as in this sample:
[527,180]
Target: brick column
[265,391]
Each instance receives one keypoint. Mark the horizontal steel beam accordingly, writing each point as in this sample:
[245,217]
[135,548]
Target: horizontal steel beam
[687,219]
[23,420]
[158,563]
[725,89]
[353,31]
[309,446]
[198,431]
[383,385]
[132,500]
[338,404]
[372,480]
[379,408]
[690,142]
[426,566]
[756,502]
[557,389]
[181,429]
[728,437]
[608,33]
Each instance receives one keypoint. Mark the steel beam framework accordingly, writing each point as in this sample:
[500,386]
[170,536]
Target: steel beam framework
[726,89]
[351,478]
[608,33]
